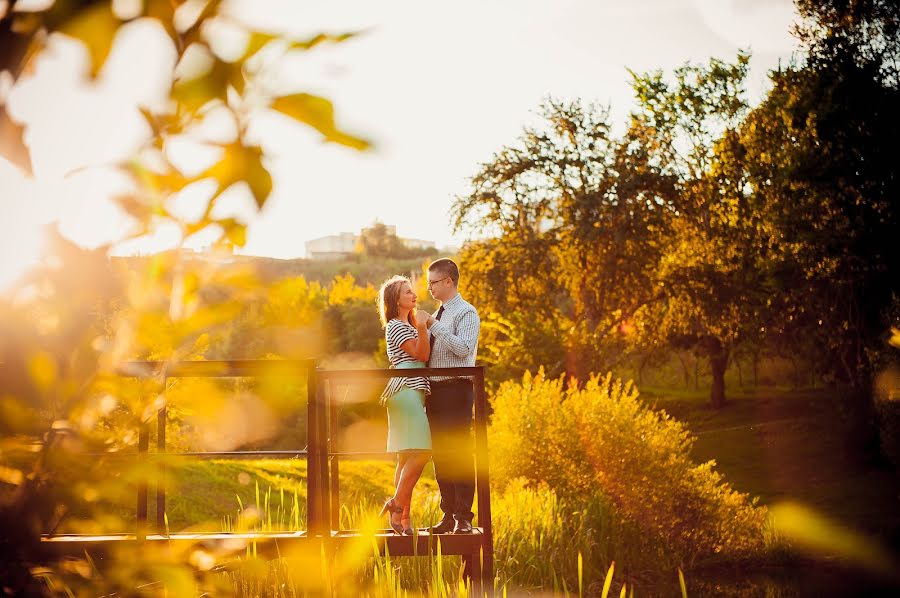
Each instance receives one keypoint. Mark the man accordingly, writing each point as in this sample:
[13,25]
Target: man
[454,342]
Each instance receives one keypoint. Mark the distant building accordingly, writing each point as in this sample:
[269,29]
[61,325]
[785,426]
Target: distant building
[343,245]
[418,243]
[332,247]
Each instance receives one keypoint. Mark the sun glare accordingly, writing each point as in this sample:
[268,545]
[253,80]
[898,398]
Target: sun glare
[21,251]
[21,236]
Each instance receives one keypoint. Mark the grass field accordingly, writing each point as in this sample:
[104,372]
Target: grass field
[207,493]
[785,444]
[773,444]
[777,445]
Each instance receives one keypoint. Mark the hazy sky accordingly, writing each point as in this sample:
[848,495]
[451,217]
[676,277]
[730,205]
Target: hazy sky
[438,88]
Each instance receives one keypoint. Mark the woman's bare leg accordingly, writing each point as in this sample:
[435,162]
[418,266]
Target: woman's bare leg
[401,462]
[412,470]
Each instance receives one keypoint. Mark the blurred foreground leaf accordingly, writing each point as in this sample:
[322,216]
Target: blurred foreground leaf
[242,163]
[318,113]
[96,28]
[813,533]
[12,142]
[212,85]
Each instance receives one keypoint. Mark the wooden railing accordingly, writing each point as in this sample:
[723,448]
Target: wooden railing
[323,461]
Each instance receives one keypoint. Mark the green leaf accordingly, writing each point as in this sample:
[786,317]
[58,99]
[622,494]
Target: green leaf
[96,28]
[318,113]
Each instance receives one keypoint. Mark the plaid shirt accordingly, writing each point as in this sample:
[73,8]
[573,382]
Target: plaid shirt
[455,336]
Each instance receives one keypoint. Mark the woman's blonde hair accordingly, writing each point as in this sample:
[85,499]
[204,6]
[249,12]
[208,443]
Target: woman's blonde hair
[389,297]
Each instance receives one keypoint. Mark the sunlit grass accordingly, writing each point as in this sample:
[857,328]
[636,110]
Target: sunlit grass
[542,543]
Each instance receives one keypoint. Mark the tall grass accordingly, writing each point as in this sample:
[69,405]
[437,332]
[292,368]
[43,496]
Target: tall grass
[541,543]
[585,476]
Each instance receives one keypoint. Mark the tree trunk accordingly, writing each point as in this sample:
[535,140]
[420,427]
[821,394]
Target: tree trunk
[685,371]
[796,367]
[755,370]
[696,372]
[718,362]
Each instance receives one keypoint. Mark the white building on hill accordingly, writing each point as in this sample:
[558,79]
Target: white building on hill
[332,247]
[343,245]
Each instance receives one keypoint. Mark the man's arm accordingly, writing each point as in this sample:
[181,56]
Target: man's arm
[465,342]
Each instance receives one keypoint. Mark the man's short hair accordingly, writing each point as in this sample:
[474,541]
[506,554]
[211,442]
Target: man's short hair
[445,267]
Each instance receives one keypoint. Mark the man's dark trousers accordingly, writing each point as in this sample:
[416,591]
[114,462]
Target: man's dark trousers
[449,409]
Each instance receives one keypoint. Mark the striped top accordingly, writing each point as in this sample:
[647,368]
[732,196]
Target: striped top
[396,333]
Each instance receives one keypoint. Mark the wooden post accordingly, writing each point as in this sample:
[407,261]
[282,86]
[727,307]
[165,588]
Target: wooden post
[324,484]
[161,472]
[482,475]
[141,514]
[313,513]
[333,431]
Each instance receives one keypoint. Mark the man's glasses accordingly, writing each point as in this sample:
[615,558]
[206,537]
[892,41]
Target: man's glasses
[434,282]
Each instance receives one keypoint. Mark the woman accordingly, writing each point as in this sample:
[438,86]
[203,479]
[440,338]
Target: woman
[409,436]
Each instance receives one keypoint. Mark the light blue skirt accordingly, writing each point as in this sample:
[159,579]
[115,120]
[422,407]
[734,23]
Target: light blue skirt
[407,423]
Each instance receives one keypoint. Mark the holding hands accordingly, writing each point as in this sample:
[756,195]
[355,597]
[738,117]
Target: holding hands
[422,317]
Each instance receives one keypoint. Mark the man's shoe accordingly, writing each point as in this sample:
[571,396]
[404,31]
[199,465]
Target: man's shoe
[463,526]
[444,526]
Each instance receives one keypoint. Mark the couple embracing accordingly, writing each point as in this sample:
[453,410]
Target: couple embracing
[430,418]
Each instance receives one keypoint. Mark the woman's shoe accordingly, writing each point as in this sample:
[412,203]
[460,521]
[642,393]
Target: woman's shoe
[392,508]
[407,527]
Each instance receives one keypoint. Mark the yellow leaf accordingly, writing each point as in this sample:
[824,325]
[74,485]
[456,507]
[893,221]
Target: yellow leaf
[195,93]
[96,28]
[320,38]
[235,231]
[256,42]
[318,113]
[242,163]
[42,369]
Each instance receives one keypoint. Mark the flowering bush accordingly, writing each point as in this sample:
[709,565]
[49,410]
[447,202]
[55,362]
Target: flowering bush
[600,439]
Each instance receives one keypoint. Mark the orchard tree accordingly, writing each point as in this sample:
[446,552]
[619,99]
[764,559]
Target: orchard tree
[575,226]
[820,149]
[714,272]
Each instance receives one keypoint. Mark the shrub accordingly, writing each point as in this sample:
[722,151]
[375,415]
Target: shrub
[600,439]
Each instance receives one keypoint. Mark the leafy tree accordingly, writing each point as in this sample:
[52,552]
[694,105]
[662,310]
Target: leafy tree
[604,245]
[715,271]
[820,150]
[577,227]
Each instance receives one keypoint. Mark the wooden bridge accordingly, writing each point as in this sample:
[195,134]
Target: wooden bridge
[323,456]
